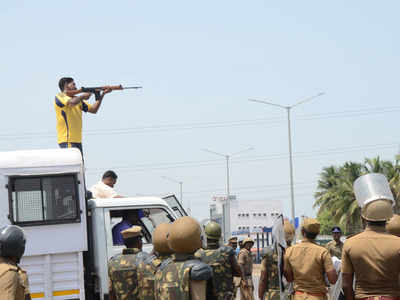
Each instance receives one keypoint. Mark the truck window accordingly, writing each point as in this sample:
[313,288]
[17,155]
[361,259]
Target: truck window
[42,200]
[147,218]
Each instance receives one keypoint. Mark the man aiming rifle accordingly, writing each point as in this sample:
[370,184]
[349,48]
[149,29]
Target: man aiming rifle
[70,103]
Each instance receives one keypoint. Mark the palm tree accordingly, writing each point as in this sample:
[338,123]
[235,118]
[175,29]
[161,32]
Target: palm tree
[335,194]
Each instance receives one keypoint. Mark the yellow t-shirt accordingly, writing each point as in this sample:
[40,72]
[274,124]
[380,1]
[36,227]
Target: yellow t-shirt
[69,119]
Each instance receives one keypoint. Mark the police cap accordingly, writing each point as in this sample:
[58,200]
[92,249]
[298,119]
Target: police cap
[311,225]
[336,229]
[134,231]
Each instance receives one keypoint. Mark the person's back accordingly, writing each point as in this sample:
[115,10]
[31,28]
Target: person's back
[148,268]
[309,262]
[122,269]
[219,260]
[374,257]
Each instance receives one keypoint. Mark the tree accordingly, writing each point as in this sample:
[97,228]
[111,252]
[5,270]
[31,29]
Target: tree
[335,197]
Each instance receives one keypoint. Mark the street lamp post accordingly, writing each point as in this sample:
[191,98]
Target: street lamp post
[227,219]
[180,188]
[288,108]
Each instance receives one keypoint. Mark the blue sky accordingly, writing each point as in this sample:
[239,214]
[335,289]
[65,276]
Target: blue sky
[198,64]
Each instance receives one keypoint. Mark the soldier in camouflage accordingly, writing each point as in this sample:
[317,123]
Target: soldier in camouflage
[147,269]
[223,263]
[122,269]
[184,277]
[268,286]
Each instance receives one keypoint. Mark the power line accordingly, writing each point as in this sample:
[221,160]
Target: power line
[250,159]
[208,125]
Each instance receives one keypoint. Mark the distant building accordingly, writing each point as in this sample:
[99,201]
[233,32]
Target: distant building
[246,216]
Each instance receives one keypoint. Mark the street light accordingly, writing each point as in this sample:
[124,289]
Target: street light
[180,188]
[288,108]
[227,222]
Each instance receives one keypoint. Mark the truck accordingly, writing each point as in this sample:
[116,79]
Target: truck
[69,234]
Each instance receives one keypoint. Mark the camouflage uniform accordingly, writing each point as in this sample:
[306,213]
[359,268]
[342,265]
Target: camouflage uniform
[269,264]
[172,280]
[122,273]
[222,280]
[335,249]
[146,272]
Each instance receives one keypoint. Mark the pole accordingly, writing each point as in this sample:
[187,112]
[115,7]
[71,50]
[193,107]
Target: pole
[228,202]
[290,163]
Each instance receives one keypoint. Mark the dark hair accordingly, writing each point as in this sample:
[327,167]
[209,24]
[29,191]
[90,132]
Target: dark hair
[310,235]
[63,81]
[132,242]
[111,174]
[376,223]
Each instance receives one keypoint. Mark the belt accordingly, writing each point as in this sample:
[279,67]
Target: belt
[316,294]
[379,298]
[248,275]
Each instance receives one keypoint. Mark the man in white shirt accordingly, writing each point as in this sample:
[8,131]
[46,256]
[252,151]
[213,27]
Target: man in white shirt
[105,187]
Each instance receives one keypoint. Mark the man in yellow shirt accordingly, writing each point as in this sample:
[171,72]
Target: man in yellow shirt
[69,113]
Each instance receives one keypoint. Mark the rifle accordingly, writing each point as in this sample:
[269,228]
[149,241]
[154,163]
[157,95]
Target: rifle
[96,90]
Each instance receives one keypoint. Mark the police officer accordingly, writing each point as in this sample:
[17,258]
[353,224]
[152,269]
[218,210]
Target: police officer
[184,277]
[372,257]
[233,242]
[393,226]
[268,286]
[147,268]
[223,262]
[245,260]
[306,263]
[12,247]
[336,245]
[122,269]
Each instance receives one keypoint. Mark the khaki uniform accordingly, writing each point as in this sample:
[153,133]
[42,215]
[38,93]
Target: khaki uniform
[335,249]
[24,277]
[374,258]
[245,260]
[269,265]
[308,262]
[122,274]
[11,284]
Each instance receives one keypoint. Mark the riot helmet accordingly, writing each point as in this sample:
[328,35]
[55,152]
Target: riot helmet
[12,242]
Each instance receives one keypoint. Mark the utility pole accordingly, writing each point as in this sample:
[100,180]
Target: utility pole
[226,210]
[288,109]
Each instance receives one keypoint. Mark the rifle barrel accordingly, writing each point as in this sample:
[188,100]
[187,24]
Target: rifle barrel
[131,87]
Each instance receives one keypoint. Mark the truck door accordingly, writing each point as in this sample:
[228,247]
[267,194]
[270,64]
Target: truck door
[177,207]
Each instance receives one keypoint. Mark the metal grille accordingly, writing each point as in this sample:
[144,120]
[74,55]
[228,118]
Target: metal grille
[47,198]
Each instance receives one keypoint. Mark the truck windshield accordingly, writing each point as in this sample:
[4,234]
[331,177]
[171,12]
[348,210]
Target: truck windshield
[44,200]
[147,218]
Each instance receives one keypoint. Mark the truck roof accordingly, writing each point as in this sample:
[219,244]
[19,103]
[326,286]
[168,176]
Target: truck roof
[40,158]
[127,201]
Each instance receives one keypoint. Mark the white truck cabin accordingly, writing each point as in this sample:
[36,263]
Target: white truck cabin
[43,192]
[108,213]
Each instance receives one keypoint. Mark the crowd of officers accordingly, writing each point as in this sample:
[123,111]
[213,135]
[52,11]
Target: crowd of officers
[181,267]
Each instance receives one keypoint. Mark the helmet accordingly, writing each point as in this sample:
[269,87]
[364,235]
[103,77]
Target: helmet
[185,235]
[12,241]
[160,239]
[371,187]
[393,226]
[378,210]
[248,240]
[213,230]
[289,230]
